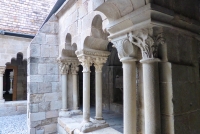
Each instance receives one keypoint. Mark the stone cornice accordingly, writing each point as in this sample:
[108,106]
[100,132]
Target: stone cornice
[153,15]
[92,53]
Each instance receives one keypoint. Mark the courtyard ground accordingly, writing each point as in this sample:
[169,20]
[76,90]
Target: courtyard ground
[16,124]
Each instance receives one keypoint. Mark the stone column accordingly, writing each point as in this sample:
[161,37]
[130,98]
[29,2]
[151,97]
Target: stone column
[64,68]
[126,53]
[98,63]
[2,70]
[151,96]
[74,70]
[86,62]
[129,94]
[148,43]
[11,82]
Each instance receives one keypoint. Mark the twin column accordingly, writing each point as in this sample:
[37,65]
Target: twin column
[2,70]
[64,69]
[86,62]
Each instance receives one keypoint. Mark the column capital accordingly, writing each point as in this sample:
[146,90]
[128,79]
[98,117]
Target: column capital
[98,63]
[63,67]
[2,70]
[86,62]
[74,67]
[147,42]
[124,47]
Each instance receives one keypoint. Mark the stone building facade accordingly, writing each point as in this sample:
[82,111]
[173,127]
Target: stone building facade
[139,58]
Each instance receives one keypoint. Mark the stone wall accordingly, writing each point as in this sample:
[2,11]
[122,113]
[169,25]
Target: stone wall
[10,46]
[44,94]
[13,108]
[24,16]
[179,84]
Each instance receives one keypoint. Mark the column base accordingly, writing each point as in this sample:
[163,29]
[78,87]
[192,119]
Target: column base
[98,118]
[93,125]
[66,113]
[2,101]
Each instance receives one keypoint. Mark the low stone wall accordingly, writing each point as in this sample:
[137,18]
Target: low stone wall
[13,108]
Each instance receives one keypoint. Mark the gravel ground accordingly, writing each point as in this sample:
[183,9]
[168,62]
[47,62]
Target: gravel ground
[13,124]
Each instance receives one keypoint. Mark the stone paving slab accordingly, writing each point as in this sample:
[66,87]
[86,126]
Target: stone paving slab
[16,124]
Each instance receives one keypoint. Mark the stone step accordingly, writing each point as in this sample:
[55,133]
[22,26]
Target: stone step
[73,125]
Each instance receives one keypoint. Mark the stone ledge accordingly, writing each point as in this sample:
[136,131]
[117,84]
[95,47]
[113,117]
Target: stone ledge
[68,126]
[75,125]
[10,108]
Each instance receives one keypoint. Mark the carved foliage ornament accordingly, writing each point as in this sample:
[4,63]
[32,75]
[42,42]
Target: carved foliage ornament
[74,67]
[98,63]
[147,43]
[64,67]
[86,62]
[124,48]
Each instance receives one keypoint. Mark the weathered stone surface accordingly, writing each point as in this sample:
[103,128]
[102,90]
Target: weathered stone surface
[35,98]
[44,106]
[37,116]
[51,114]
[52,96]
[52,128]
[52,69]
[44,87]
[55,105]
[42,69]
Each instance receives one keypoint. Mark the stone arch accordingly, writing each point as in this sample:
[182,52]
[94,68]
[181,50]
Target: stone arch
[97,38]
[117,8]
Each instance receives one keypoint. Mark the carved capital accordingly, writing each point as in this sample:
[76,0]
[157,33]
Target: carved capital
[148,43]
[74,67]
[2,70]
[124,47]
[86,62]
[98,63]
[63,67]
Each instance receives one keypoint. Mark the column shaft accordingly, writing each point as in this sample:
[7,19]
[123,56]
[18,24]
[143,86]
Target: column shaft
[129,95]
[86,96]
[98,84]
[75,92]
[1,87]
[64,91]
[151,98]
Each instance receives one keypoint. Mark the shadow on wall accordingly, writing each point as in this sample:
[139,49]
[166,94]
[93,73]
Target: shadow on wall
[15,79]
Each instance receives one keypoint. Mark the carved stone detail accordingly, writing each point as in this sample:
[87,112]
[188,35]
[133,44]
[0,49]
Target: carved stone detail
[86,62]
[146,42]
[74,67]
[92,53]
[2,71]
[98,63]
[63,67]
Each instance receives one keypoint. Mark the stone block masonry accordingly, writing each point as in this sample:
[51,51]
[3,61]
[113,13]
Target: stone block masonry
[24,16]
[44,96]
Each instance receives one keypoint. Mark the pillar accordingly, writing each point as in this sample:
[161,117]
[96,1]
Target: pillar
[86,62]
[127,53]
[2,70]
[148,43]
[98,63]
[64,68]
[151,96]
[75,69]
[129,95]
